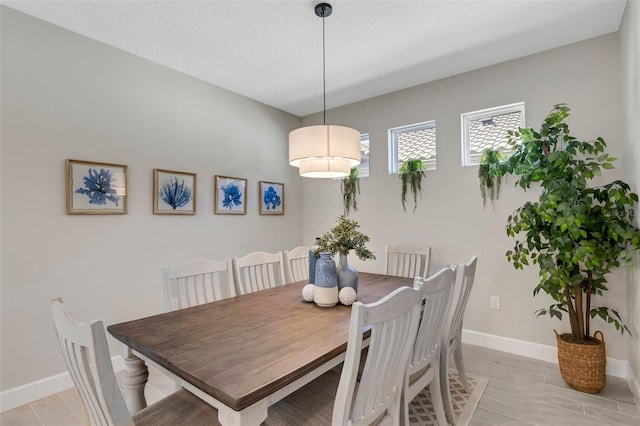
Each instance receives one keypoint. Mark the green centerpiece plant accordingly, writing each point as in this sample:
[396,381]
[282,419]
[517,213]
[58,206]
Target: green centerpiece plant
[411,173]
[575,232]
[343,237]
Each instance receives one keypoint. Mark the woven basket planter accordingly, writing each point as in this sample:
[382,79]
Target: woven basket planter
[583,366]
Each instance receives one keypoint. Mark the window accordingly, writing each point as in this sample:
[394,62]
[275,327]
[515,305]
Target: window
[413,141]
[488,128]
[363,167]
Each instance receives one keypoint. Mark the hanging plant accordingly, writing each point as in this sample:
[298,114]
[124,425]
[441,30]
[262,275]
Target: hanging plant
[350,186]
[411,172]
[490,175]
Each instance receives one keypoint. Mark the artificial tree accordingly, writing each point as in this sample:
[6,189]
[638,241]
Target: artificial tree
[576,233]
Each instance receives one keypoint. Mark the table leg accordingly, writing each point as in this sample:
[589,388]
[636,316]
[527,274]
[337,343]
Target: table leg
[250,416]
[133,380]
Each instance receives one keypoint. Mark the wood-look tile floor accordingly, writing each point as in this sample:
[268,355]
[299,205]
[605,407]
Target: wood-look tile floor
[521,392]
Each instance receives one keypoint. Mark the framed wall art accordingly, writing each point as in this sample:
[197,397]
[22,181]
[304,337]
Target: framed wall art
[96,188]
[174,192]
[230,195]
[271,197]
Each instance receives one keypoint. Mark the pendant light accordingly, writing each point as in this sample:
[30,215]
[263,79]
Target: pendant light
[324,151]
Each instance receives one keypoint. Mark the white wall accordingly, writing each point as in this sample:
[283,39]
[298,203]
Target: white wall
[450,217]
[630,60]
[66,96]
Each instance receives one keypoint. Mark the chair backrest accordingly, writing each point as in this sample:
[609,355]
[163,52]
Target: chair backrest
[297,264]
[85,352]
[437,292]
[258,271]
[393,321]
[408,261]
[465,274]
[197,281]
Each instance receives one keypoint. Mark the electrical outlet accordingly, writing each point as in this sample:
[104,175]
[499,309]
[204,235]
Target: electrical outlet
[495,303]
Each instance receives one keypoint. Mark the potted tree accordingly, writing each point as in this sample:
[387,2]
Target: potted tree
[411,174]
[576,234]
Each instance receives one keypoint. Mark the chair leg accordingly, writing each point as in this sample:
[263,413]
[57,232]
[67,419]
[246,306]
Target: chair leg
[445,385]
[457,354]
[435,387]
[404,408]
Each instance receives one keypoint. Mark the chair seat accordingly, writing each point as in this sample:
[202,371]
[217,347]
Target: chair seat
[181,407]
[310,405]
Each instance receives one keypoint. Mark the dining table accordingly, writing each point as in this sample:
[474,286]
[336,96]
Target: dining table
[245,353]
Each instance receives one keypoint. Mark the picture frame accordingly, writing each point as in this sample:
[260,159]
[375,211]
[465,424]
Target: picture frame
[230,195]
[174,192]
[96,188]
[271,198]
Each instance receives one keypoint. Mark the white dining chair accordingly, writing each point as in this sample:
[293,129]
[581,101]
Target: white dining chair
[424,363]
[336,398]
[197,281]
[85,352]
[258,271]
[408,261]
[452,337]
[296,263]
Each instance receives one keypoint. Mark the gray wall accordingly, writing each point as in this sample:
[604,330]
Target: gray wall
[66,96]
[630,60]
[450,217]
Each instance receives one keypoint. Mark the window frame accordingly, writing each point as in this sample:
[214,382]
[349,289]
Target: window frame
[392,135]
[487,113]
[363,137]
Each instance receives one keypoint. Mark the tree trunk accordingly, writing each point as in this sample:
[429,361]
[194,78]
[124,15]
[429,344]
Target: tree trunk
[573,319]
[587,317]
[579,336]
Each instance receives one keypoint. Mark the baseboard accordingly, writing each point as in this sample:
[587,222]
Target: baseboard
[25,394]
[615,367]
[48,386]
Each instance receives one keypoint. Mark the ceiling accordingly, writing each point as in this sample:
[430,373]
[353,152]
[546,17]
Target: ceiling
[271,51]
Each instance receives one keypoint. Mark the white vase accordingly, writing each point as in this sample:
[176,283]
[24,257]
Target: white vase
[325,296]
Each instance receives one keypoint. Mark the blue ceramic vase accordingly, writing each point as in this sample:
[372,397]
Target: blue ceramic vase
[313,258]
[347,275]
[326,291]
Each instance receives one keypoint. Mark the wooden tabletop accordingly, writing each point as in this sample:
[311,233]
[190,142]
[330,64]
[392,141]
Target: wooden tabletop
[242,349]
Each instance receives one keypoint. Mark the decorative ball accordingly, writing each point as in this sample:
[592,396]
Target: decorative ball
[308,292]
[347,296]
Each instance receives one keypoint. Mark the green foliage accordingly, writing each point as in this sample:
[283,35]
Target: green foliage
[411,172]
[575,233]
[490,174]
[344,237]
[350,186]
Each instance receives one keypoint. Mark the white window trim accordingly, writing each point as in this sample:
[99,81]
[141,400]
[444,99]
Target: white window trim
[466,117]
[365,136]
[393,144]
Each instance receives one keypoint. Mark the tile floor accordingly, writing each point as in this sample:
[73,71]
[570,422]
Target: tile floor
[521,392]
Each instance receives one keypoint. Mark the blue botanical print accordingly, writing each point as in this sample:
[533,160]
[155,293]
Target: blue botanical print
[97,186]
[176,194]
[271,199]
[232,195]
